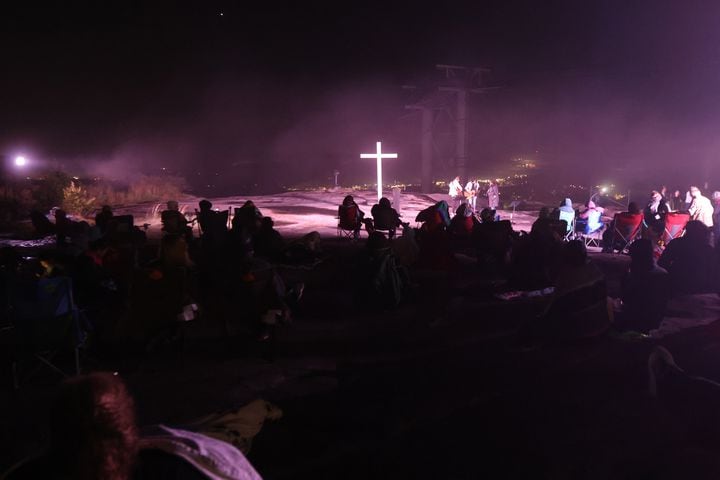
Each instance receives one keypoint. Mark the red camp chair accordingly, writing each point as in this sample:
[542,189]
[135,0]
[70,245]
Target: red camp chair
[626,228]
[348,222]
[674,226]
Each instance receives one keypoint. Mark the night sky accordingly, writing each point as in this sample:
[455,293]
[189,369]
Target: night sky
[204,87]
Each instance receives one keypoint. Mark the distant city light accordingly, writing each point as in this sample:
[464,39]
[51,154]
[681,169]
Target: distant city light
[20,161]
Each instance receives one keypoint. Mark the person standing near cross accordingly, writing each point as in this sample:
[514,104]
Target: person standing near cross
[379,156]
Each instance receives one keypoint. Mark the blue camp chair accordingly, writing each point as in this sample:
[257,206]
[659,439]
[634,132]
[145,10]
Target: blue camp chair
[45,321]
[590,229]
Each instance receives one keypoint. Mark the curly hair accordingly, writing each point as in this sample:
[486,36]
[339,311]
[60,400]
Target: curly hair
[92,428]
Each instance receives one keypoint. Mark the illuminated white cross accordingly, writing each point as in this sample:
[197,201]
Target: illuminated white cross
[379,156]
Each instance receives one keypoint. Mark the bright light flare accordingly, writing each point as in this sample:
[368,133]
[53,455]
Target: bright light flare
[20,161]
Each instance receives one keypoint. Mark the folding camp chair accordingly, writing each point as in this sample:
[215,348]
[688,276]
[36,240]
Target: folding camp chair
[212,226]
[46,322]
[584,230]
[674,226]
[626,228]
[569,218]
[386,221]
[348,222]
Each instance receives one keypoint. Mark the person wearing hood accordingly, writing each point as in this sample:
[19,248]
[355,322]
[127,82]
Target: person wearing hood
[385,217]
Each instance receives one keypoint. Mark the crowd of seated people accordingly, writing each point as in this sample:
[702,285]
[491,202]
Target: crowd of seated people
[244,261]
[130,291]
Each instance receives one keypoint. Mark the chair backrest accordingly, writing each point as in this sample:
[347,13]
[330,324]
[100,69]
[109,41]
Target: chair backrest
[560,227]
[385,219]
[120,225]
[348,217]
[628,225]
[569,217]
[213,223]
[221,220]
[47,318]
[172,221]
[581,225]
[674,225]
[493,236]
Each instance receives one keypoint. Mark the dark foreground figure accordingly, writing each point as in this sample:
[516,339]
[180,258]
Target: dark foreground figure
[93,435]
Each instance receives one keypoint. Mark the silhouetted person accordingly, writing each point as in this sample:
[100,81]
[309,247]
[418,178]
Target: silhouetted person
[174,222]
[103,218]
[543,220]
[381,280]
[645,289]
[689,260]
[42,225]
[247,218]
[213,225]
[94,435]
[385,217]
[63,227]
[534,255]
[487,215]
[205,215]
[267,242]
[174,251]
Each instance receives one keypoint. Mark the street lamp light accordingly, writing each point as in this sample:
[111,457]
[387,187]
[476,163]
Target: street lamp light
[20,161]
